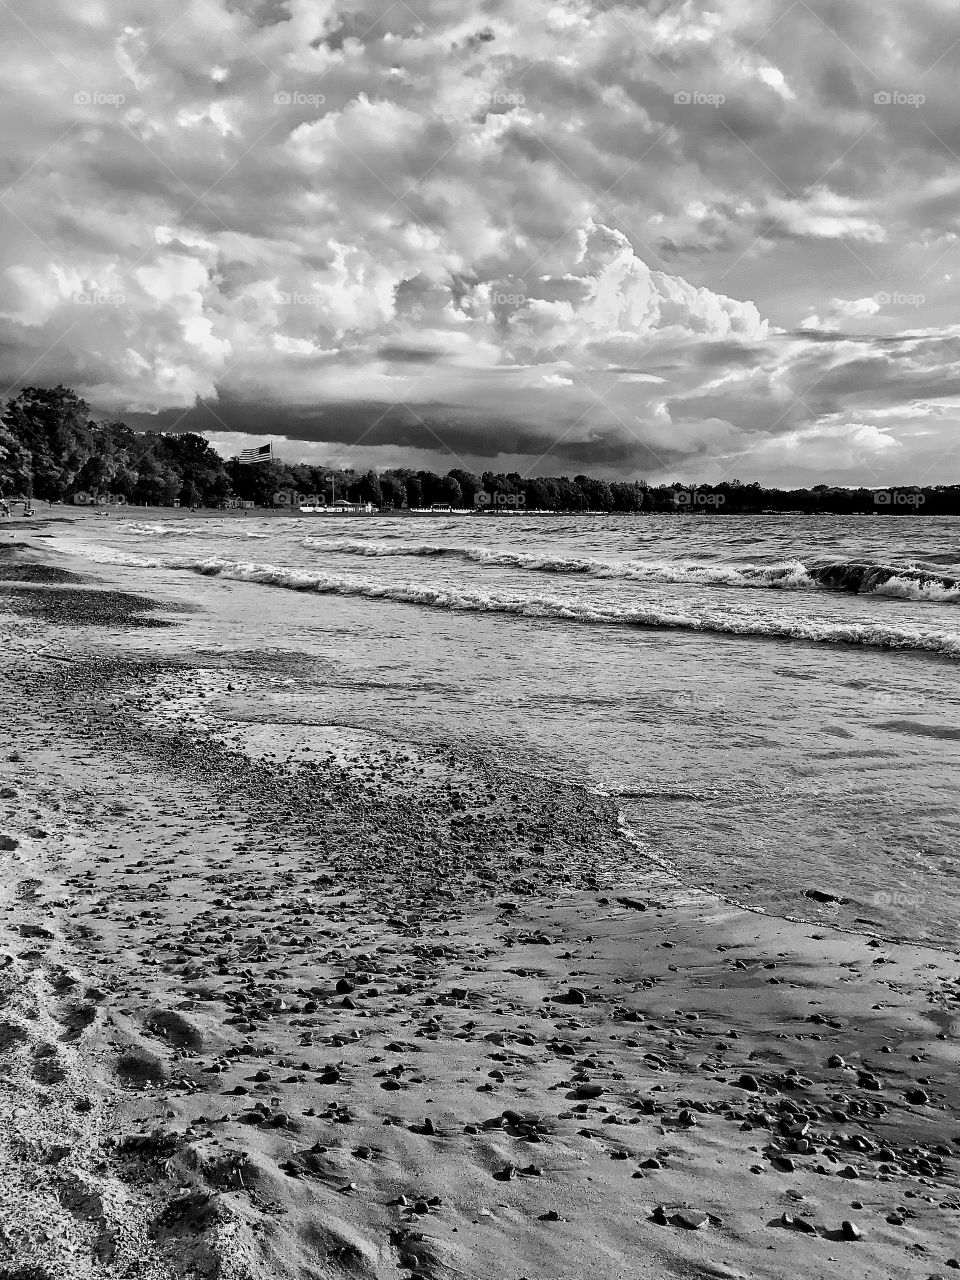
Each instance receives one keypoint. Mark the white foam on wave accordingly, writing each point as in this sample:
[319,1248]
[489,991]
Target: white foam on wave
[931,592]
[786,575]
[674,616]
[106,555]
[791,574]
[157,530]
[344,546]
[184,529]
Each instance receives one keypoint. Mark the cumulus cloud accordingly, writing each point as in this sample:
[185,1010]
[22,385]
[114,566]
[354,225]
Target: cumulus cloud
[840,311]
[563,233]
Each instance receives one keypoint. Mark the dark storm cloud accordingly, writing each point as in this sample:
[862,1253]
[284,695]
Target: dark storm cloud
[409,355]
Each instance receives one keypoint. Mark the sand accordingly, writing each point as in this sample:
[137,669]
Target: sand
[300,1000]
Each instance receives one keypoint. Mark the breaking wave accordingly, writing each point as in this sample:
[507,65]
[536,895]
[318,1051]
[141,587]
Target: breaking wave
[183,529]
[865,578]
[855,577]
[660,615]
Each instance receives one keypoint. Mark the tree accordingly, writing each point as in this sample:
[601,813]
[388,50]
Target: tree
[540,493]
[431,487]
[393,490]
[157,482]
[258,483]
[368,489]
[203,476]
[596,493]
[16,474]
[570,496]
[469,485]
[450,491]
[53,424]
[627,497]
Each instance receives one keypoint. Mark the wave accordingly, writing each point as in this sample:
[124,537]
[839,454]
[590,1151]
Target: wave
[866,578]
[343,546]
[672,617]
[105,555]
[185,528]
[856,577]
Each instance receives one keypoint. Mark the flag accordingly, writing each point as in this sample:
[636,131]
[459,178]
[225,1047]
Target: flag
[263,454]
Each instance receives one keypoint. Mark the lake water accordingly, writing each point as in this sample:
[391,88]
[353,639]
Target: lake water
[774,699]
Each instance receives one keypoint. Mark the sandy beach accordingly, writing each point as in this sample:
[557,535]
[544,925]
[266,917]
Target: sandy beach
[292,1000]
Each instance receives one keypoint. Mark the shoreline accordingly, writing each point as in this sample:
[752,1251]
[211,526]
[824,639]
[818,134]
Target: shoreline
[404,977]
[61,510]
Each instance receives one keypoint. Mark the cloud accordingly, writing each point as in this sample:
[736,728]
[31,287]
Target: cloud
[855,453]
[841,310]
[568,232]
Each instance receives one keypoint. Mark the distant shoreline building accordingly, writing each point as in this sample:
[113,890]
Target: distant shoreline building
[338,508]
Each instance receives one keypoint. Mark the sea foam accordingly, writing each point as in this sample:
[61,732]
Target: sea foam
[853,577]
[674,616]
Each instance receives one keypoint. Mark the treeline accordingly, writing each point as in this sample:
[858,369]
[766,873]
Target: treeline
[401,487]
[51,449]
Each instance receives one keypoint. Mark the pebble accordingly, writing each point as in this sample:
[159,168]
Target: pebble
[693,1220]
[573,996]
[796,1223]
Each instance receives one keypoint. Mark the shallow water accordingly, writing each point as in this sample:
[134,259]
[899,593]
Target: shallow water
[775,699]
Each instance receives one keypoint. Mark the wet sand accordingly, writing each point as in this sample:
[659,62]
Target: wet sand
[300,1000]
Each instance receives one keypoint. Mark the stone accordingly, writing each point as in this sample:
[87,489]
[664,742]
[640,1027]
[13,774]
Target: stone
[573,996]
[691,1219]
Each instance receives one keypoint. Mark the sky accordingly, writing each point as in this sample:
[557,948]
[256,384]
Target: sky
[694,241]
